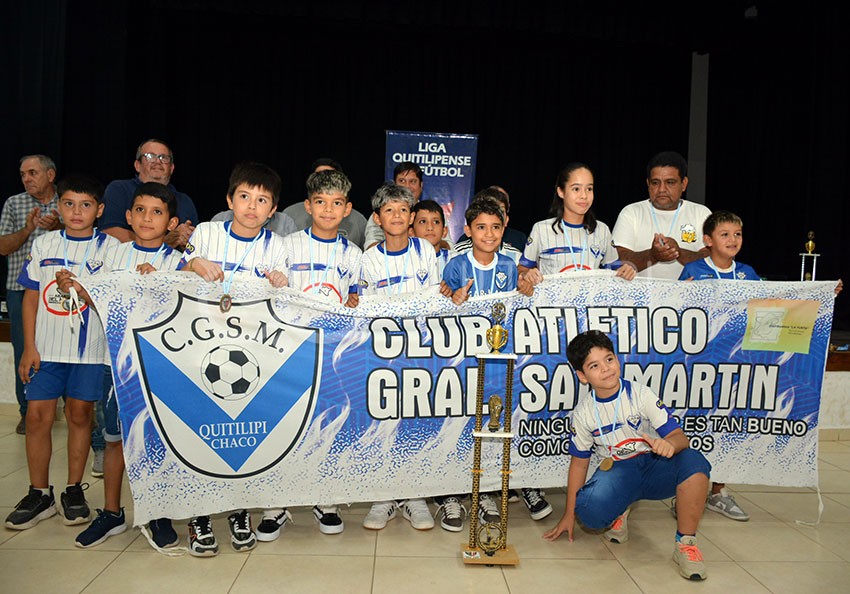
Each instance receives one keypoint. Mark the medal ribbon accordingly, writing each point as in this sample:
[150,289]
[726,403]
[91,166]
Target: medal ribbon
[567,228]
[225,284]
[74,299]
[717,271]
[403,272]
[331,262]
[613,423]
[475,275]
[672,224]
[155,256]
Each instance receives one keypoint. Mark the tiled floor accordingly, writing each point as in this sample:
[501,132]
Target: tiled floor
[770,553]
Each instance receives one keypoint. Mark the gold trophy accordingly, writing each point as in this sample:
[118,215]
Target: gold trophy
[809,253]
[488,542]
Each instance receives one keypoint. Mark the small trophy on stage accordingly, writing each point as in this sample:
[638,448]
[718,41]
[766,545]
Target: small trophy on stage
[809,253]
[488,541]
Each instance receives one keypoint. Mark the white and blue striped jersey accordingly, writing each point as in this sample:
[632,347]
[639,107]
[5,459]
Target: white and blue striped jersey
[56,339]
[246,255]
[326,268]
[497,277]
[129,255]
[443,257]
[569,248]
[404,271]
[615,426]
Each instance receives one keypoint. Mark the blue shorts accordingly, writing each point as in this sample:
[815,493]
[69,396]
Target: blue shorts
[81,381]
[111,422]
[608,493]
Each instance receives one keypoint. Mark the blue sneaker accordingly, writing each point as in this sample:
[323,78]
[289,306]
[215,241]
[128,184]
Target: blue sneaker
[163,533]
[106,524]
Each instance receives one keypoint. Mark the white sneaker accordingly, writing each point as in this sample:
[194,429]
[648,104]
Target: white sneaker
[417,513]
[381,513]
[724,503]
[97,464]
[689,559]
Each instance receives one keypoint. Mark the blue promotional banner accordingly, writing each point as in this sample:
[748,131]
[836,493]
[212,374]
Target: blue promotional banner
[448,168]
[285,400]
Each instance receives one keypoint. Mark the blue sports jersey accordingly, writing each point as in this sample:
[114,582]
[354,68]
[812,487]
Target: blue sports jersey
[706,270]
[497,277]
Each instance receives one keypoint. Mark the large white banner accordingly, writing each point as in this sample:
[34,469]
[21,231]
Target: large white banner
[286,401]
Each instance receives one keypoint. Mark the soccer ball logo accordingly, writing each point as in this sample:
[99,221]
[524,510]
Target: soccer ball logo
[230,372]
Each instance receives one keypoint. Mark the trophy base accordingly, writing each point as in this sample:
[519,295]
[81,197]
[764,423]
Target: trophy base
[475,556]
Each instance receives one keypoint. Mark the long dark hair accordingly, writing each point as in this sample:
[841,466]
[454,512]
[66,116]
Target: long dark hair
[557,208]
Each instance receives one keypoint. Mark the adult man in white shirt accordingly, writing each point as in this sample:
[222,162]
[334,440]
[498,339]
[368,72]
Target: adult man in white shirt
[662,234]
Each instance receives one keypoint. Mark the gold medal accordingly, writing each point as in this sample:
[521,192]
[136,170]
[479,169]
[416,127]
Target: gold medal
[606,464]
[225,303]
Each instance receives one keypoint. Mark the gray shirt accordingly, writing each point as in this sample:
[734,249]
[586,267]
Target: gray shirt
[14,218]
[279,223]
[353,227]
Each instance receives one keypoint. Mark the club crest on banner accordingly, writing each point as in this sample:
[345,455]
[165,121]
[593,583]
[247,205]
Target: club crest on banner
[230,394]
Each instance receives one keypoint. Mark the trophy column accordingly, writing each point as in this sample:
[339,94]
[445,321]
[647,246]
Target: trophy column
[810,248]
[488,542]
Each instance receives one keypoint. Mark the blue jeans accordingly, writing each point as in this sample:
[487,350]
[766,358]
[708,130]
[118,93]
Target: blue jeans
[647,476]
[15,301]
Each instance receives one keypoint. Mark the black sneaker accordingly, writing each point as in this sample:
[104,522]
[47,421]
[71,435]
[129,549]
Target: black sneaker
[538,507]
[513,496]
[106,524]
[75,508]
[272,523]
[488,511]
[328,518]
[452,513]
[163,533]
[241,536]
[31,510]
[201,538]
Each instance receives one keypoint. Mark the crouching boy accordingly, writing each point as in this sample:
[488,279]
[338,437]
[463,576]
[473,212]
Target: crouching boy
[645,455]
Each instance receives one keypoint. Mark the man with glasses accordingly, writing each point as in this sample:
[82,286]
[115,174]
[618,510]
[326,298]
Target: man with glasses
[154,163]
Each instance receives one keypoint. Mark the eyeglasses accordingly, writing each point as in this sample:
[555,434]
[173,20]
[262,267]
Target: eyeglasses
[149,157]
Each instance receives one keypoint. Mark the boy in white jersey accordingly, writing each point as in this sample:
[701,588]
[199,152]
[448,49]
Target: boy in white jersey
[398,264]
[429,222]
[64,351]
[645,455]
[324,264]
[153,213]
[223,251]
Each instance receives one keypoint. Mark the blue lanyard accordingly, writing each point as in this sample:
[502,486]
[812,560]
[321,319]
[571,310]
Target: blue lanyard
[330,264]
[603,438]
[400,282]
[225,285]
[672,224]
[475,275]
[152,260]
[85,256]
[570,243]
[717,271]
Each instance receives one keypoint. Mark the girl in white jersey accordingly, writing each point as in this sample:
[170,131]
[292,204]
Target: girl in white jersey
[572,240]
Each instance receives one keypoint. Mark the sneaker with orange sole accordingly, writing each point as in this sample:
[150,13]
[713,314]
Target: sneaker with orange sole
[619,530]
